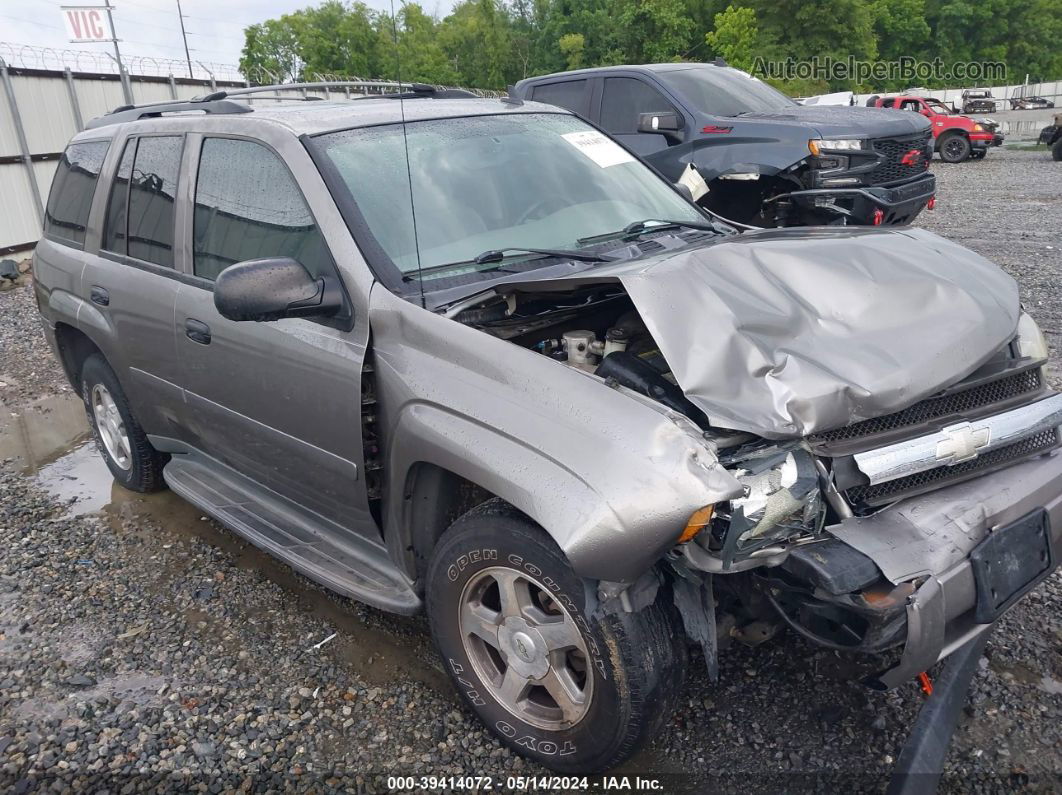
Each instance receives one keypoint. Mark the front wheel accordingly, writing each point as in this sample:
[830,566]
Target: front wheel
[955,149]
[574,691]
[1056,150]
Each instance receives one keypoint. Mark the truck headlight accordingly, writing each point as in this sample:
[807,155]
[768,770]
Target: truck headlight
[834,145]
[1031,341]
[978,128]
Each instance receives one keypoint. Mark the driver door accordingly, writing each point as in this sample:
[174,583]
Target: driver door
[623,100]
[280,401]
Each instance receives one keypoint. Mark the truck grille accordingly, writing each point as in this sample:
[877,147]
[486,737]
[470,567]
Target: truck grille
[893,151]
[891,490]
[962,402]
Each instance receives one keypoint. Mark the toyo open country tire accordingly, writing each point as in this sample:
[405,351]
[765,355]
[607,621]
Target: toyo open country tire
[135,464]
[617,676]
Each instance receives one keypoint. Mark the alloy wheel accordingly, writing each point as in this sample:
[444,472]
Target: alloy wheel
[111,427]
[526,647]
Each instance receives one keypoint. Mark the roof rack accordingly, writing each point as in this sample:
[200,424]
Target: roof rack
[371,89]
[226,101]
[125,113]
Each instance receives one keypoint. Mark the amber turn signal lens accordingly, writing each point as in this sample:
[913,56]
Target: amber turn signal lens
[698,521]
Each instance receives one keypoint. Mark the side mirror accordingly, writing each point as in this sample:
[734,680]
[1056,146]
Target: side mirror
[274,288]
[666,124]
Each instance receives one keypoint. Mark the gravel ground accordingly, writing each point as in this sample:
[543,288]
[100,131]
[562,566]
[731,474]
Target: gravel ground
[27,369]
[146,647]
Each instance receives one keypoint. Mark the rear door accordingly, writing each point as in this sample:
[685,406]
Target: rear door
[573,95]
[131,284]
[278,401]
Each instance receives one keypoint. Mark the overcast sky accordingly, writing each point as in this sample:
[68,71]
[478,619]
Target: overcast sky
[151,27]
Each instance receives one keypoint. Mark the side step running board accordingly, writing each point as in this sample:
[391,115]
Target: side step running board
[326,553]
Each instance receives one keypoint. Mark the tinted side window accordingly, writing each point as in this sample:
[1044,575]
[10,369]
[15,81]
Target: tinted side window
[151,199]
[115,229]
[70,199]
[570,95]
[624,98]
[248,206]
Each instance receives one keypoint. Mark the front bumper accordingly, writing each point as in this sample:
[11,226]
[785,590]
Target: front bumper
[929,540]
[899,204]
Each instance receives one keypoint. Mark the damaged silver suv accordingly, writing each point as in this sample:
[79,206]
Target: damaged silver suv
[471,357]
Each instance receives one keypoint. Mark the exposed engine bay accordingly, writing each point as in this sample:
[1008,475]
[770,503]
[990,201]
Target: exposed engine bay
[598,331]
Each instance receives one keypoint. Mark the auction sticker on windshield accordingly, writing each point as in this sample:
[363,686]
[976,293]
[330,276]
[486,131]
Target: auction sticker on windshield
[598,148]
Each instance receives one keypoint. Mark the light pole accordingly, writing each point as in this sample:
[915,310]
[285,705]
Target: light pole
[184,36]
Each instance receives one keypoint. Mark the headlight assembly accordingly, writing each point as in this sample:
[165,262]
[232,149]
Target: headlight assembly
[1030,341]
[834,145]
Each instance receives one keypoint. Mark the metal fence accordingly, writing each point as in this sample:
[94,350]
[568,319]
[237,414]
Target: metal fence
[50,94]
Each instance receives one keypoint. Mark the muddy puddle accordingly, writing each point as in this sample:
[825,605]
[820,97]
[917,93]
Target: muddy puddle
[50,442]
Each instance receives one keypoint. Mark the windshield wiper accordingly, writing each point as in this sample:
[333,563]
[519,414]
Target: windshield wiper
[651,225]
[499,255]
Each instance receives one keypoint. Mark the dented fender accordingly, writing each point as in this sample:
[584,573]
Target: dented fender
[612,476]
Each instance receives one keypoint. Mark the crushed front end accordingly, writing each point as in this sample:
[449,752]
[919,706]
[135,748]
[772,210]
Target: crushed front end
[911,531]
[874,182]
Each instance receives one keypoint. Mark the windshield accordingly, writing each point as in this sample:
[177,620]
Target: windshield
[518,180]
[939,107]
[722,91]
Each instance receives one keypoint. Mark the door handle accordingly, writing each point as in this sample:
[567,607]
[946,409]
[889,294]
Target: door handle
[197,331]
[100,296]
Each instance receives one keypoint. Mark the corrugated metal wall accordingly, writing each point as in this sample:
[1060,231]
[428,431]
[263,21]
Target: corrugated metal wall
[52,106]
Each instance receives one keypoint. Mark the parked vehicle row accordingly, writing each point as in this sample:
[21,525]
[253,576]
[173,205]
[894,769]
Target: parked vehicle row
[766,160]
[956,137]
[472,357]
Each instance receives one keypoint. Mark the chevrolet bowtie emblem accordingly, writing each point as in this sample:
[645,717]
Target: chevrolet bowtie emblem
[964,442]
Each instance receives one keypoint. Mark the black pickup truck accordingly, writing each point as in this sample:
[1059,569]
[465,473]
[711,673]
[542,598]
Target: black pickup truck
[767,160]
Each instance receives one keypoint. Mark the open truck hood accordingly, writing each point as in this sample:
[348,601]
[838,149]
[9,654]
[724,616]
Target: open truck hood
[789,332]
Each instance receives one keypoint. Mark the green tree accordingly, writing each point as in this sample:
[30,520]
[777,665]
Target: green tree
[271,53]
[571,46]
[652,31]
[735,36]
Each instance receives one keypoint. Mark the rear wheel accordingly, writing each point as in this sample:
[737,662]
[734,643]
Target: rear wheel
[132,460]
[955,148]
[1056,150]
[572,690]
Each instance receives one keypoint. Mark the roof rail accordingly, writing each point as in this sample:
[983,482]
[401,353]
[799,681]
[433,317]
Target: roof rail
[371,88]
[126,113]
[226,101]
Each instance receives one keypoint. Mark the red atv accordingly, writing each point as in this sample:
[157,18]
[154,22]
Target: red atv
[957,137]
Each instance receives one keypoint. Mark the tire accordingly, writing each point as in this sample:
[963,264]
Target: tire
[978,155]
[623,671]
[955,148]
[135,464]
[1056,150]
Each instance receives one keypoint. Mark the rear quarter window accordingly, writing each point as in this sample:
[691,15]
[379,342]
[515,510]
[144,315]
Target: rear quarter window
[70,198]
[570,95]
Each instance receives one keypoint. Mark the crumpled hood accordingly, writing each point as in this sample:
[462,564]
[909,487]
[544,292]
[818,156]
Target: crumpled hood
[789,332]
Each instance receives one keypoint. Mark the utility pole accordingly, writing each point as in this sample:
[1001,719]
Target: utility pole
[184,36]
[126,88]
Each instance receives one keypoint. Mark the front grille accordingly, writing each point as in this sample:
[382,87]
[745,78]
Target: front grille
[935,478]
[945,405]
[893,150]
